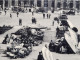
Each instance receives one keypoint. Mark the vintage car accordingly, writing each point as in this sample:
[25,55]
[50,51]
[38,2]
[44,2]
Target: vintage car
[19,9]
[71,12]
[40,10]
[63,17]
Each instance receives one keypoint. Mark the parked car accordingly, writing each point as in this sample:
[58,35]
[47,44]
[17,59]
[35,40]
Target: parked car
[40,10]
[63,17]
[71,12]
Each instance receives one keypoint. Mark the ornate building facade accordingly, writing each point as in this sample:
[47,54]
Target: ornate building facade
[64,4]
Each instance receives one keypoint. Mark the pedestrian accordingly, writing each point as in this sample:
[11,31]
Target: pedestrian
[33,20]
[20,21]
[53,23]
[43,15]
[53,11]
[57,32]
[40,56]
[10,15]
[32,13]
[17,14]
[51,45]
[5,12]
[47,16]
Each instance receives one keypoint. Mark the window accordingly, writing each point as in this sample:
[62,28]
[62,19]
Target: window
[32,2]
[58,4]
[52,4]
[19,3]
[6,3]
[39,3]
[77,4]
[64,5]
[45,3]
[13,2]
[1,3]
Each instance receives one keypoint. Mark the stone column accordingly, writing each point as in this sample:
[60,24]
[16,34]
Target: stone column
[74,4]
[55,4]
[62,4]
[42,3]
[3,4]
[16,2]
[9,3]
[35,3]
[67,4]
[49,4]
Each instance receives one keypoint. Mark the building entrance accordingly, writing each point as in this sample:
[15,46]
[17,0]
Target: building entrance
[71,5]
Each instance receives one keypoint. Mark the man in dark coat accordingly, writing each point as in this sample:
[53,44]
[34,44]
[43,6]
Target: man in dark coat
[20,21]
[40,56]
[33,20]
[57,32]
[10,15]
[47,16]
[51,46]
[5,12]
[43,15]
[17,14]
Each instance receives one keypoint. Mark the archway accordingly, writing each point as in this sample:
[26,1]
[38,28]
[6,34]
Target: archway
[6,3]
[59,4]
[64,5]
[71,5]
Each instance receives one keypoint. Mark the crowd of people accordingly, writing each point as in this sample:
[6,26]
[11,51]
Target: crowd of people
[20,43]
[60,45]
[46,15]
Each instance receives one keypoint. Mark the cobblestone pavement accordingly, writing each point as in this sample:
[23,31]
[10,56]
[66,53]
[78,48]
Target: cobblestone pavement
[26,20]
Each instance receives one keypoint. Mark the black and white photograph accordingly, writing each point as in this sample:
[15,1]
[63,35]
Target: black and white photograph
[39,29]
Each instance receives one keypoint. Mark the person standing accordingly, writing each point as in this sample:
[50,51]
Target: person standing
[20,21]
[5,12]
[53,23]
[33,20]
[40,56]
[43,15]
[57,32]
[32,11]
[17,14]
[47,15]
[10,15]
